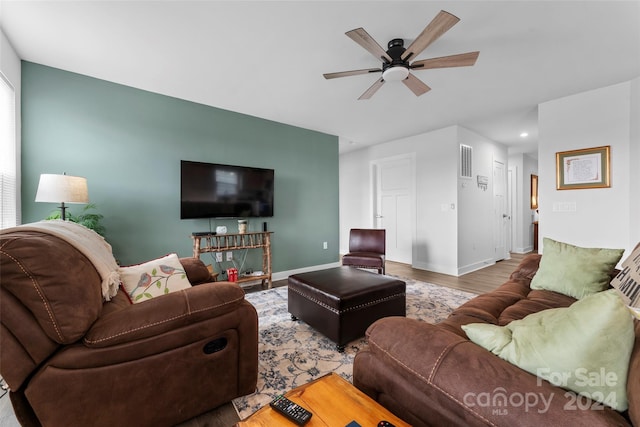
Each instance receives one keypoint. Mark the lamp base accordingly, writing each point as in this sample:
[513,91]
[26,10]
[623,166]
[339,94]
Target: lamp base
[63,209]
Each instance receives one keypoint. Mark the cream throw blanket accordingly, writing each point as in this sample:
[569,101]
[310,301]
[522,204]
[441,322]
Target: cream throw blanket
[91,244]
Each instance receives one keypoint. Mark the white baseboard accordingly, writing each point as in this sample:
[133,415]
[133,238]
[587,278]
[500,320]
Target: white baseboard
[452,271]
[281,275]
[475,266]
[435,268]
[524,250]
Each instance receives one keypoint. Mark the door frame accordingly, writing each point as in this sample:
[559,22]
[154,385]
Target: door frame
[505,215]
[374,166]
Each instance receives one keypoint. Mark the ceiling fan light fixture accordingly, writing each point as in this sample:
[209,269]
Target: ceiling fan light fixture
[395,74]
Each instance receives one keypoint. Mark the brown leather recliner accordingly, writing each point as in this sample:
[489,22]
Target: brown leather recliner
[367,249]
[71,359]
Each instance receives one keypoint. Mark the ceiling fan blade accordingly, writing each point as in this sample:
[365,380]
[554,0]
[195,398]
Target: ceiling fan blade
[360,36]
[373,89]
[351,73]
[437,27]
[416,85]
[460,60]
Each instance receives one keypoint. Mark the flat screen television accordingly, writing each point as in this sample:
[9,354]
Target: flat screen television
[209,190]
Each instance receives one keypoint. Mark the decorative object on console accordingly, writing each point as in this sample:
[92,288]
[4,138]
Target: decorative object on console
[221,229]
[62,189]
[242,226]
[154,278]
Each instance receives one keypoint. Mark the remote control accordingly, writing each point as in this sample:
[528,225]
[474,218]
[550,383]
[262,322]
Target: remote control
[291,410]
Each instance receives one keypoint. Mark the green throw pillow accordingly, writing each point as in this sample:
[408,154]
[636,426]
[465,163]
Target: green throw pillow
[574,271]
[584,348]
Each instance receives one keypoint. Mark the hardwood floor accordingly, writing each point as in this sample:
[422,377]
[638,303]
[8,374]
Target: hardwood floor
[481,281]
[478,282]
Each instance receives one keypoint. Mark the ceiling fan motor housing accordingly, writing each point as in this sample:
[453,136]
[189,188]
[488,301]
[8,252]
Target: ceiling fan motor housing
[397,69]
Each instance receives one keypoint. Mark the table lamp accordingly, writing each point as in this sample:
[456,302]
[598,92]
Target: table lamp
[62,189]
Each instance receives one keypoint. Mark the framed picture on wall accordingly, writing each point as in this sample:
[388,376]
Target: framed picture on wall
[534,191]
[586,168]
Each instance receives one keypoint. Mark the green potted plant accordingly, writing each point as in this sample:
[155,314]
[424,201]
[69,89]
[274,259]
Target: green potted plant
[91,220]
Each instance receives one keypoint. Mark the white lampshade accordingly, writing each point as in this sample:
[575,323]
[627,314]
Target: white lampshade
[62,189]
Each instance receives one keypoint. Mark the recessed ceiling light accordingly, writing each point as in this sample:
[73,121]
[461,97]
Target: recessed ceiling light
[524,135]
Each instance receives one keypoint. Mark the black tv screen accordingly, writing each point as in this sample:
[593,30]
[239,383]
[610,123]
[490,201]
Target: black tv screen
[209,190]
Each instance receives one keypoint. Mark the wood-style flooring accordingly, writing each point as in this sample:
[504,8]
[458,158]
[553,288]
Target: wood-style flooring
[481,281]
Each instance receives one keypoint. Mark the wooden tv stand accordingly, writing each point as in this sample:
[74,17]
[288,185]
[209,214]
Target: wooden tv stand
[230,242]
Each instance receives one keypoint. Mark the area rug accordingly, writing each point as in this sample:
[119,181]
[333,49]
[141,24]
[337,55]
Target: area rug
[291,353]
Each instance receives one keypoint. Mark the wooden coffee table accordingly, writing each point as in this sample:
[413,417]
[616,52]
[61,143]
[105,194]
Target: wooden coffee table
[333,401]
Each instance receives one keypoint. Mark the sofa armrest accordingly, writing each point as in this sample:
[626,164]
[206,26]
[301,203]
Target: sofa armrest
[434,375]
[197,272]
[163,314]
[527,268]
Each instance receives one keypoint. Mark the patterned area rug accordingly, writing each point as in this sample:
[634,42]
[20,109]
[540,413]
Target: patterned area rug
[292,353]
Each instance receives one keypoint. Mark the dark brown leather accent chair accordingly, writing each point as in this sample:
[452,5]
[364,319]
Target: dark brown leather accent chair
[71,359]
[367,249]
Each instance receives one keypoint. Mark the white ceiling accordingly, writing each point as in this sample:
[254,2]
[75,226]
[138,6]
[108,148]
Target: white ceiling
[266,58]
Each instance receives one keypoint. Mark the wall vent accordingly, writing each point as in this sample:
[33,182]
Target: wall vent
[466,161]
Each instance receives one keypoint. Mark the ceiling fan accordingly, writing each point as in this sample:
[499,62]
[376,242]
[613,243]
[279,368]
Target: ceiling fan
[396,63]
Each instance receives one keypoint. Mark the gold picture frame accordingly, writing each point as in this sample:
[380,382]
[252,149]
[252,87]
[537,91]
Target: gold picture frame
[586,168]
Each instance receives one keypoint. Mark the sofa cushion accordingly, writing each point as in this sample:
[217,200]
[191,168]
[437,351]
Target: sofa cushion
[154,278]
[575,271]
[584,348]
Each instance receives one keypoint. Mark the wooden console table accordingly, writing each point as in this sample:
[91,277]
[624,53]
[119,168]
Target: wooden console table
[230,242]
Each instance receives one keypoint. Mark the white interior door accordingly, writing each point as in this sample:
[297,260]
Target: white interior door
[502,219]
[393,209]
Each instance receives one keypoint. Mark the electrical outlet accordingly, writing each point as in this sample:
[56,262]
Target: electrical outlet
[324,245]
[229,256]
[219,256]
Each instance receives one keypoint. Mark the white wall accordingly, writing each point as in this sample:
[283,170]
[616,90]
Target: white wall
[634,158]
[10,67]
[435,186]
[438,217]
[476,213]
[606,217]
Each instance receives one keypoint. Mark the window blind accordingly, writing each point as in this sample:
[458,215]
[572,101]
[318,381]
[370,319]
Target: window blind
[8,161]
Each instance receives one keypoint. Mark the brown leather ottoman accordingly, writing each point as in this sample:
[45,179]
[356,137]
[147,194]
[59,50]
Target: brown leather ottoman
[342,302]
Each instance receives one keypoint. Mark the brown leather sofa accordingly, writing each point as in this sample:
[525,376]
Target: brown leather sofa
[71,359]
[432,375]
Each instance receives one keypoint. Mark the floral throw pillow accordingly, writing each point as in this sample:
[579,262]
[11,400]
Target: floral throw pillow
[154,278]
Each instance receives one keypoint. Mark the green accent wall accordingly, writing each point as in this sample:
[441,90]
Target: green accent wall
[128,143]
